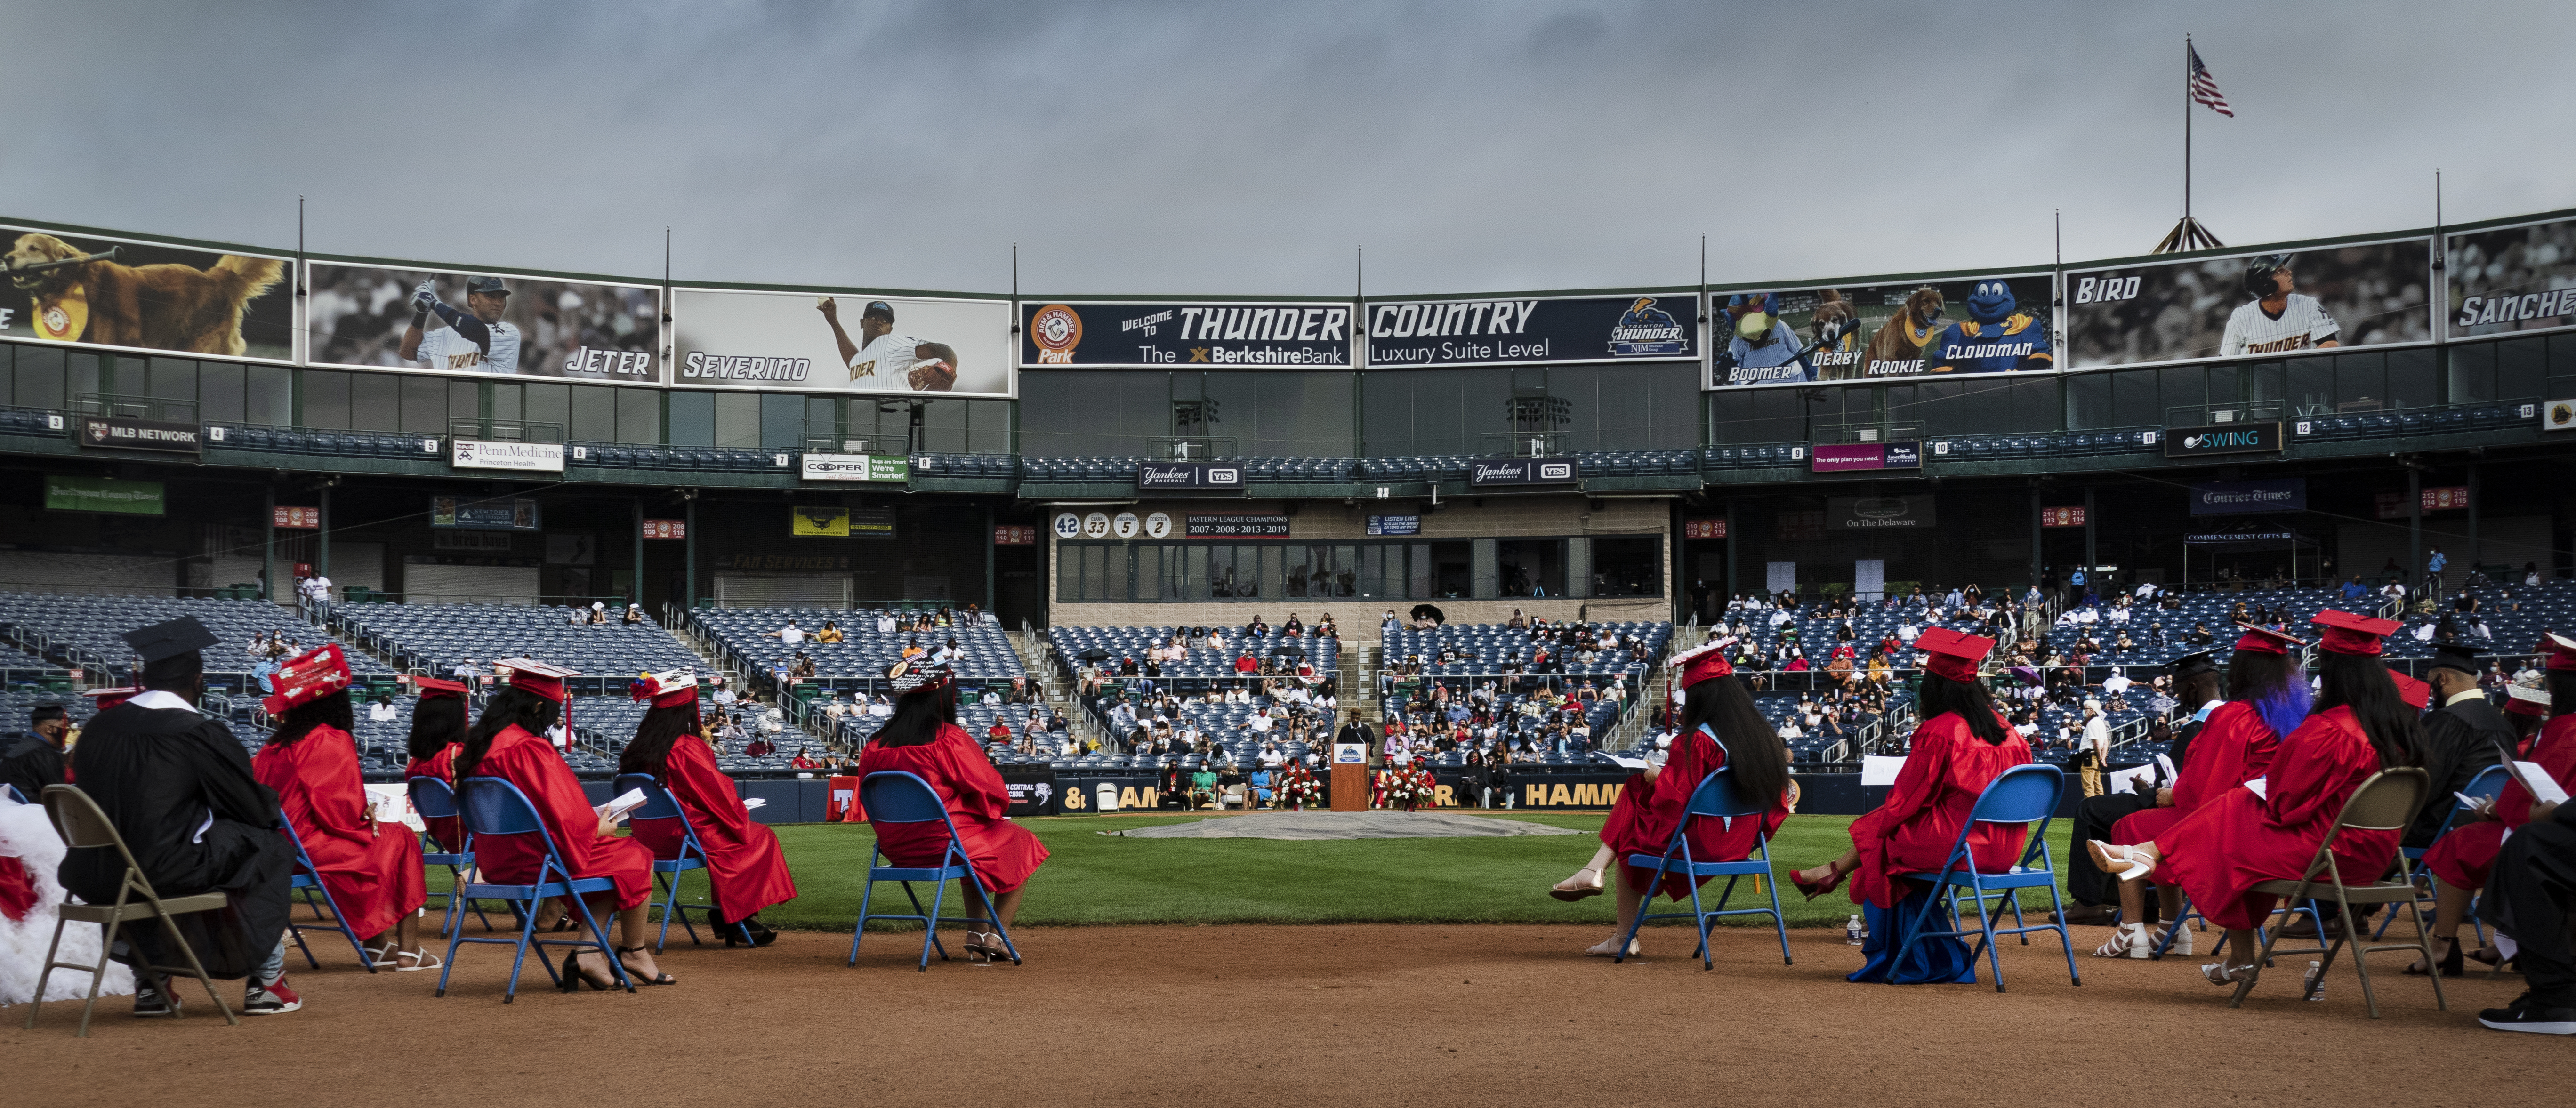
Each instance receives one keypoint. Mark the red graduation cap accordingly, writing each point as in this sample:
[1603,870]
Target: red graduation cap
[307,677]
[1704,662]
[2264,640]
[2347,633]
[2412,691]
[429,687]
[2562,650]
[1951,654]
[104,699]
[531,675]
[2525,701]
[667,689]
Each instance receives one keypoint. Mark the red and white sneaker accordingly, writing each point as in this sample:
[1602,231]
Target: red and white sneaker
[271,999]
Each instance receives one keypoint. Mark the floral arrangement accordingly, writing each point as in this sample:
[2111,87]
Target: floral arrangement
[1406,788]
[1297,787]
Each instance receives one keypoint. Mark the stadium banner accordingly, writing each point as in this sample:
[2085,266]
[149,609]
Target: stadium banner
[1162,334]
[849,343]
[1710,528]
[1558,790]
[532,457]
[819,523]
[2251,305]
[2223,438]
[1395,525]
[1234,527]
[1562,330]
[2222,498]
[515,513]
[1847,457]
[141,434]
[1878,513]
[1032,788]
[2448,498]
[818,466]
[110,495]
[137,294]
[1523,471]
[1155,476]
[2504,279]
[2063,517]
[482,323]
[1800,335]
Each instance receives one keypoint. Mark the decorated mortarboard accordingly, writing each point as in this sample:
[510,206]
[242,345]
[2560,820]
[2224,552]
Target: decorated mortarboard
[305,678]
[531,675]
[1703,662]
[912,676]
[2347,633]
[2523,700]
[2412,691]
[104,699]
[2264,640]
[2562,650]
[1951,654]
[2459,656]
[429,687]
[2193,665]
[667,689]
[169,639]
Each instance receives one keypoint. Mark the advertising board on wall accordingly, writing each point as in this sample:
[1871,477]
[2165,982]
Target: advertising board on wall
[123,433]
[1235,527]
[2223,438]
[1155,334]
[819,466]
[809,342]
[1998,324]
[1878,513]
[2278,494]
[482,322]
[533,457]
[1851,456]
[2519,278]
[136,294]
[1523,471]
[2367,294]
[1156,476]
[1565,330]
[509,513]
[111,495]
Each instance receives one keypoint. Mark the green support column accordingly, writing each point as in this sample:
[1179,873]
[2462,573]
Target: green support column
[268,544]
[689,553]
[635,584]
[322,538]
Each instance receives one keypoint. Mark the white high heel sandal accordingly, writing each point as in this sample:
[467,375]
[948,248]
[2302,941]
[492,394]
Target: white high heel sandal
[2128,862]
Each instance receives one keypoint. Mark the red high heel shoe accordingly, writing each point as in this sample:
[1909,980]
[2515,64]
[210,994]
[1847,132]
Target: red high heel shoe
[1818,888]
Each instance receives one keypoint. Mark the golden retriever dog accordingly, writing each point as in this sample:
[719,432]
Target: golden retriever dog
[161,307]
[1829,333]
[1902,337]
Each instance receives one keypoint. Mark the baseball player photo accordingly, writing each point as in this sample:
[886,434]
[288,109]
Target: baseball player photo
[474,340]
[882,356]
[2279,318]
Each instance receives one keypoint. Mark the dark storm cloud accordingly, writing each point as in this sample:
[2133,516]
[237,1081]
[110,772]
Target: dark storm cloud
[1152,147]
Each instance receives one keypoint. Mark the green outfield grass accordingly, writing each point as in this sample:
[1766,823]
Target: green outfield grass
[1093,878]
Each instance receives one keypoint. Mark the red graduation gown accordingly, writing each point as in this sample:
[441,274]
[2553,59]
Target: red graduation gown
[2234,747]
[371,870]
[2220,851]
[447,830]
[531,763]
[1643,818]
[1913,830]
[744,864]
[2463,857]
[1005,853]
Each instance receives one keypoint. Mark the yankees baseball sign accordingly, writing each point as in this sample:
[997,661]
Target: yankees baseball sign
[841,342]
[1556,330]
[1189,335]
[479,323]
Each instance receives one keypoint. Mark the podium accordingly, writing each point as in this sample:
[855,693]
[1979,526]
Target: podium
[1350,781]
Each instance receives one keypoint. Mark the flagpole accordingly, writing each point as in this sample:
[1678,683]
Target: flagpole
[2186,128]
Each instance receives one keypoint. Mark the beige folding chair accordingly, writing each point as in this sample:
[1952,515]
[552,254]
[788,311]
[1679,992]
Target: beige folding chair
[2385,802]
[77,818]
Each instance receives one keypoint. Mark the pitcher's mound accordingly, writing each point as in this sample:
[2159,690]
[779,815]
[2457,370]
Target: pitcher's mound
[1345,825]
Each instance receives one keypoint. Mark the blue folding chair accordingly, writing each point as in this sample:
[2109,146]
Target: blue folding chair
[660,805]
[1715,798]
[492,806]
[2024,794]
[307,880]
[893,796]
[431,798]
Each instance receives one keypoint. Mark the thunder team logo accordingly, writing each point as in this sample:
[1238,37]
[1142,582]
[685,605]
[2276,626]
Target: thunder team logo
[1645,330]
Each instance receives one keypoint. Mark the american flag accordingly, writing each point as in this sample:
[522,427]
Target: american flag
[2204,88]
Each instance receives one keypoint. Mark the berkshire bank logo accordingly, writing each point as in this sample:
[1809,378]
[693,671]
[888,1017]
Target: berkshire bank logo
[1645,330]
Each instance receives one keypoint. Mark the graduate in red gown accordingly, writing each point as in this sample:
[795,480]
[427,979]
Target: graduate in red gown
[509,742]
[923,739]
[2461,859]
[372,870]
[1961,746]
[437,733]
[1720,729]
[2230,844]
[2267,697]
[744,864]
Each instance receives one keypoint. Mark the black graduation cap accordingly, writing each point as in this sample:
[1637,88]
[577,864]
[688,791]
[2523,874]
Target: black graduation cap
[170,639]
[2459,656]
[43,712]
[2193,665]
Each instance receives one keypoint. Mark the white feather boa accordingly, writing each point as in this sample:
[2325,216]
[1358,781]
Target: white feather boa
[26,835]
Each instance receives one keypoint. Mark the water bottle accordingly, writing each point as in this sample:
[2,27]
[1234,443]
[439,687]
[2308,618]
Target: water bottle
[1853,932]
[2314,982]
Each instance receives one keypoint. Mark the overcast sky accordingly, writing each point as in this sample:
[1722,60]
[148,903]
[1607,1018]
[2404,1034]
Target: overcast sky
[1147,148]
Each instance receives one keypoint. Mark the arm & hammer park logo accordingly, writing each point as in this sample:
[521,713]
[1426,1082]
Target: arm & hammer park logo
[1645,330]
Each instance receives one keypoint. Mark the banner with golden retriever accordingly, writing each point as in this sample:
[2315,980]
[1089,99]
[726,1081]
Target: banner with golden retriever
[482,322]
[1796,336]
[134,294]
[842,342]
[2254,304]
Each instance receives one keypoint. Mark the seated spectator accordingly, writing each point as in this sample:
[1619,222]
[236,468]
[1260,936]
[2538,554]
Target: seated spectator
[311,760]
[790,634]
[831,632]
[599,613]
[634,614]
[382,710]
[923,739]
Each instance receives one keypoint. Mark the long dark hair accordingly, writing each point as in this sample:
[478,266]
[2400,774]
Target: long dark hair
[534,714]
[917,716]
[2562,690]
[435,722]
[1936,695]
[2359,682]
[330,711]
[650,750]
[2274,685]
[1754,752]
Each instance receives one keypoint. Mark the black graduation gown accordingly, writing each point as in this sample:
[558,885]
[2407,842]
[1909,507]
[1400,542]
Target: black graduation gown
[2459,740]
[160,774]
[28,763]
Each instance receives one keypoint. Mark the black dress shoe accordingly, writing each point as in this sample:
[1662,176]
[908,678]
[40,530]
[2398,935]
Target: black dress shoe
[2091,915]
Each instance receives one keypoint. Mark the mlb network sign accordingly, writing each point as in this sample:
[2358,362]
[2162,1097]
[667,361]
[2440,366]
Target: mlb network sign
[2224,438]
[1523,471]
[1187,475]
